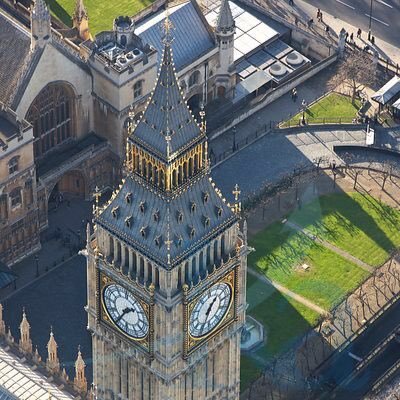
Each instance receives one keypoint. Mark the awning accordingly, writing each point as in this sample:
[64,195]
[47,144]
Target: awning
[6,275]
[251,84]
[388,91]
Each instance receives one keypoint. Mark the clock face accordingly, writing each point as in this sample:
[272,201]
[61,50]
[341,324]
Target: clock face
[210,309]
[125,311]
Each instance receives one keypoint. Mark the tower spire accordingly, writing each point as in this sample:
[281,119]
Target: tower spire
[225,22]
[25,343]
[40,25]
[80,382]
[52,362]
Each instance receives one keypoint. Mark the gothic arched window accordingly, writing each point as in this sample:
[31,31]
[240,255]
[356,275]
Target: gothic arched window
[194,78]
[51,114]
[15,197]
[13,165]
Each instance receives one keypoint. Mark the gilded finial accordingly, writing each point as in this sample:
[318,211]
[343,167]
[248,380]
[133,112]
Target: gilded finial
[236,193]
[202,114]
[97,195]
[167,26]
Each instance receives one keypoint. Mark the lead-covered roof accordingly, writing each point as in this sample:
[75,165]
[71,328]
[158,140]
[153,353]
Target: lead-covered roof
[167,125]
[147,221]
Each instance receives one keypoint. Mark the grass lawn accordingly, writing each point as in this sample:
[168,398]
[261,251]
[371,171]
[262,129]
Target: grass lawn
[284,319]
[280,253]
[101,13]
[329,109]
[357,223]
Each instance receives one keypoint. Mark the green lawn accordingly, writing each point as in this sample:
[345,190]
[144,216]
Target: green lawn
[284,319]
[328,110]
[280,253]
[357,223]
[101,13]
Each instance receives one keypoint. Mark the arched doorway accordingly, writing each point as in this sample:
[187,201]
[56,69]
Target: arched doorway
[52,115]
[71,185]
[221,91]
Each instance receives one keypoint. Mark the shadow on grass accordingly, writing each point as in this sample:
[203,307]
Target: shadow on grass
[285,322]
[59,12]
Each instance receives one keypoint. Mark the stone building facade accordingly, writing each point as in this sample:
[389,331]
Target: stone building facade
[77,94]
[19,223]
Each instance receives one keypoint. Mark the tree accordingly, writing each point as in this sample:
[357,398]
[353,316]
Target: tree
[354,71]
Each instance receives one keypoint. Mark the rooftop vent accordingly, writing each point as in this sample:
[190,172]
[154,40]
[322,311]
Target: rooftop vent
[294,59]
[277,70]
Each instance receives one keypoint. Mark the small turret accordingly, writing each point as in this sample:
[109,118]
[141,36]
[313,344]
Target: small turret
[52,363]
[80,20]
[80,382]
[40,25]
[225,32]
[25,343]
[124,28]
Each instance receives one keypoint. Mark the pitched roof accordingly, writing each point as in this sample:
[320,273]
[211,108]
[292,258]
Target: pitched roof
[167,125]
[146,220]
[225,20]
[14,55]
[189,44]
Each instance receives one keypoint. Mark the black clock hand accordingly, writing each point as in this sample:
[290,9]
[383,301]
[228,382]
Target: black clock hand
[210,307]
[124,312]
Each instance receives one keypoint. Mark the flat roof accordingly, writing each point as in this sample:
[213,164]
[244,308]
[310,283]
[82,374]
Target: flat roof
[387,91]
[251,31]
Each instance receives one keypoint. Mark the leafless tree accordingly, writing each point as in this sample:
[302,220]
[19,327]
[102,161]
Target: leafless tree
[355,71]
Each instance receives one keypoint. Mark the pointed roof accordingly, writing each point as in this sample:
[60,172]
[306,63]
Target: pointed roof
[225,20]
[24,325]
[167,125]
[79,363]
[79,11]
[40,10]
[52,344]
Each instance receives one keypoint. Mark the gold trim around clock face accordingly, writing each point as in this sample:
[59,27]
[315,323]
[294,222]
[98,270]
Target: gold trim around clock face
[105,316]
[229,316]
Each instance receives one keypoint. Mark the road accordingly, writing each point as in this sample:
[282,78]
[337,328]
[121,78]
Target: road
[339,368]
[385,21]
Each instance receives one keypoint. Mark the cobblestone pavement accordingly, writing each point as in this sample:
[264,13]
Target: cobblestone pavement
[56,299]
[63,239]
[276,155]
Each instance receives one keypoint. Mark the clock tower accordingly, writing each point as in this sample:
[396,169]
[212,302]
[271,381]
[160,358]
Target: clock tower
[166,264]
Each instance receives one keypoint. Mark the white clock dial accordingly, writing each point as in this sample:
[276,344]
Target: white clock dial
[210,309]
[125,311]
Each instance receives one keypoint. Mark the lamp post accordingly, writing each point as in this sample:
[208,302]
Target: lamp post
[37,265]
[234,139]
[370,21]
[304,106]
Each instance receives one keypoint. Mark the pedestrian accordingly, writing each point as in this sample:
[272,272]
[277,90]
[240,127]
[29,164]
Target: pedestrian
[294,94]
[359,33]
[291,3]
[372,40]
[327,29]
[310,22]
[296,21]
[318,14]
[352,37]
[346,36]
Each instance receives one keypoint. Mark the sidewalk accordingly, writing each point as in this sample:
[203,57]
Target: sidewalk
[304,11]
